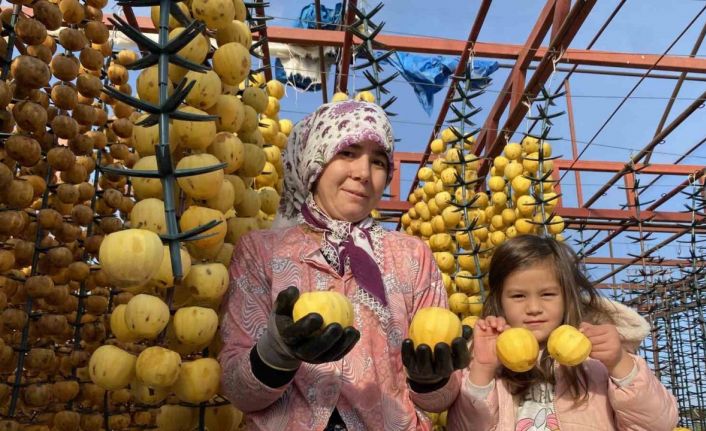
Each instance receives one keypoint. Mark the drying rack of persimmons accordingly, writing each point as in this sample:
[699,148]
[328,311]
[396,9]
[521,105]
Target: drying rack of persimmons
[105,326]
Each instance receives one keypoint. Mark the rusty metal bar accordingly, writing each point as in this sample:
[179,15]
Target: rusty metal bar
[629,181]
[602,260]
[344,63]
[431,45]
[646,226]
[592,71]
[506,51]
[606,166]
[518,85]
[612,214]
[574,147]
[561,11]
[601,214]
[265,46]
[460,70]
[577,15]
[322,63]
[584,165]
[539,31]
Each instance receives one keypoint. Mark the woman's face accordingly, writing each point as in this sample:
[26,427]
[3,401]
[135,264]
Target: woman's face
[352,183]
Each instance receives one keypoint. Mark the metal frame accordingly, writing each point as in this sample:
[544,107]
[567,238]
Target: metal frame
[532,65]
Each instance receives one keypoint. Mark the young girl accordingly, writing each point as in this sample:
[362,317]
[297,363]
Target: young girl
[535,283]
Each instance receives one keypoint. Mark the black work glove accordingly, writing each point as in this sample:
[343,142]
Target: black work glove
[285,343]
[427,369]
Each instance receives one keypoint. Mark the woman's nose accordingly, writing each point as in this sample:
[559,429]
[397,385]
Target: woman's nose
[360,168]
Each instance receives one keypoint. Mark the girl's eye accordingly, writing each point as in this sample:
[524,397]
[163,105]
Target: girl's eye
[346,153]
[517,296]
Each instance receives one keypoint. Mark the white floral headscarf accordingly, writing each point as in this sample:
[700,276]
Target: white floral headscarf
[316,139]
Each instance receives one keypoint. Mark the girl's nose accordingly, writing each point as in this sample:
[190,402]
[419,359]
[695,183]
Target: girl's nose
[533,306]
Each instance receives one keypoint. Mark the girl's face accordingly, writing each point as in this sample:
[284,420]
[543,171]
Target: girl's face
[532,298]
[352,183]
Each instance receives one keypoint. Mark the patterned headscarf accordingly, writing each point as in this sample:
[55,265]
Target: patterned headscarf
[313,142]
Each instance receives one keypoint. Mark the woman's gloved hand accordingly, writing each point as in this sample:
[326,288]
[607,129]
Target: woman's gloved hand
[426,368]
[285,343]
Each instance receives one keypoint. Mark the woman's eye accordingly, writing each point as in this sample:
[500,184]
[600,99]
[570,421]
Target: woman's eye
[380,163]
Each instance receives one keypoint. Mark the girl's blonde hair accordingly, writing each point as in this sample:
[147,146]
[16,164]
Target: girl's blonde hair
[579,296]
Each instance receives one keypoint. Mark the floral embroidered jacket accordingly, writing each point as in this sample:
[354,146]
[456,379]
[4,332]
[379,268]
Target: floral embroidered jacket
[368,387]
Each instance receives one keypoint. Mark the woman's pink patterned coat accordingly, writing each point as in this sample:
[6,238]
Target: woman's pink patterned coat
[369,385]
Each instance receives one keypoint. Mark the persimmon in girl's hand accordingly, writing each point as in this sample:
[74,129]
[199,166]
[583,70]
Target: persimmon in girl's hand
[608,348]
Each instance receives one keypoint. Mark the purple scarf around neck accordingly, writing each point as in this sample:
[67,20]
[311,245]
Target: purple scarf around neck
[353,247]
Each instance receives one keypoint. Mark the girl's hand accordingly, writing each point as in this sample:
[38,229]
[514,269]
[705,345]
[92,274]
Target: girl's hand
[608,348]
[485,360]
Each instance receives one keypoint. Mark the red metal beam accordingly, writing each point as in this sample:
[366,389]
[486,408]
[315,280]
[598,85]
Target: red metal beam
[458,73]
[618,215]
[605,166]
[571,225]
[322,63]
[507,51]
[600,260]
[577,15]
[344,64]
[679,159]
[578,214]
[585,165]
[561,11]
[260,9]
[610,226]
[620,286]
[574,146]
[539,31]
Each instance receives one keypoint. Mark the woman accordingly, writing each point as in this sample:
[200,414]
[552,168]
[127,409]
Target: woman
[299,376]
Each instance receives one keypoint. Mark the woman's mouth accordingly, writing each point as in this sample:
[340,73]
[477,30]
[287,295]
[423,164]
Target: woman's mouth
[356,194]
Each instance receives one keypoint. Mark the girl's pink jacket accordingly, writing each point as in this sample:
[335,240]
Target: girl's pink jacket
[369,385]
[643,405]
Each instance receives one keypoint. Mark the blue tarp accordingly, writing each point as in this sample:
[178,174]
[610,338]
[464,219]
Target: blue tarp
[297,78]
[428,74]
[302,72]
[330,18]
